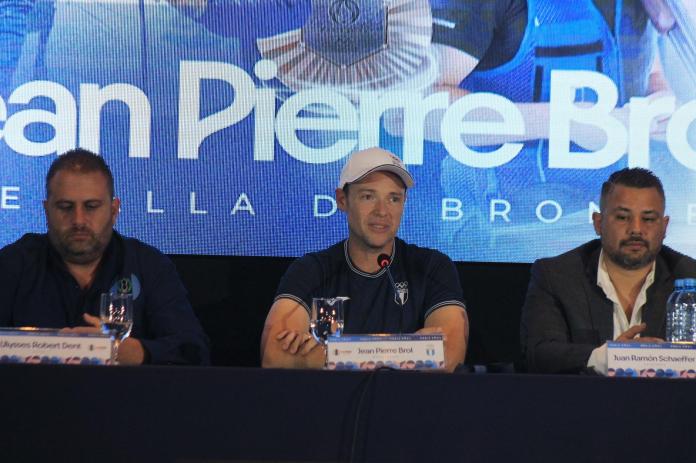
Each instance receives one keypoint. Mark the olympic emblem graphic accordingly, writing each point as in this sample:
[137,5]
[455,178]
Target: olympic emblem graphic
[127,285]
[401,294]
[356,46]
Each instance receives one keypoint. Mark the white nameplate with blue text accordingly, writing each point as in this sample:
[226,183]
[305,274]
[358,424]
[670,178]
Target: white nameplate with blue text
[34,345]
[397,351]
[664,360]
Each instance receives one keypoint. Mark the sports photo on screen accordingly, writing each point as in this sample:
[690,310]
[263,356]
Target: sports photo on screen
[227,122]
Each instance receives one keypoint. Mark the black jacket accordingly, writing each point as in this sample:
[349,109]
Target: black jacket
[36,289]
[566,315]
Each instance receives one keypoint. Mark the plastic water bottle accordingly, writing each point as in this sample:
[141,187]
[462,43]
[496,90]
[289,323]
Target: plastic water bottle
[673,326]
[678,286]
[681,312]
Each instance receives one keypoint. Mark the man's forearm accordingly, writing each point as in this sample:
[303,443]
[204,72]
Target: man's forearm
[273,356]
[455,352]
[453,322]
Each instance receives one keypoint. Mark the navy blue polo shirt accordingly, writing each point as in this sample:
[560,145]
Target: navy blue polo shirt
[426,278]
[36,289]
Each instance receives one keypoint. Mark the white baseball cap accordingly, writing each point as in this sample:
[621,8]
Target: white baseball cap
[363,163]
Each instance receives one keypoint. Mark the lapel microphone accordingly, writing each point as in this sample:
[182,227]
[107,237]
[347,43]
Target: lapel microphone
[384,260]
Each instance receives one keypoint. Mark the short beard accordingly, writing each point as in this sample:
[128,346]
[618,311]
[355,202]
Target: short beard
[81,256]
[632,263]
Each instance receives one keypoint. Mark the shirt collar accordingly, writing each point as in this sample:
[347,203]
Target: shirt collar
[604,282]
[365,274]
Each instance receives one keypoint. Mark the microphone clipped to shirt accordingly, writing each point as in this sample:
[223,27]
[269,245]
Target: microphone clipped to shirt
[383,260]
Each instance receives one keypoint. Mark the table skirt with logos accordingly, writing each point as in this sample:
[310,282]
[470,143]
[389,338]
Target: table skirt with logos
[187,414]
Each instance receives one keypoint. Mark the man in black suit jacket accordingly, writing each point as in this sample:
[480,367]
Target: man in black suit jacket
[612,288]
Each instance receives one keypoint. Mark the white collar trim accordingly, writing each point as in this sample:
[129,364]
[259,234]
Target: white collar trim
[365,274]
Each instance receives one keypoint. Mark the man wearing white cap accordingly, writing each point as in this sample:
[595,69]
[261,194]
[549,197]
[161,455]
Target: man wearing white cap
[424,297]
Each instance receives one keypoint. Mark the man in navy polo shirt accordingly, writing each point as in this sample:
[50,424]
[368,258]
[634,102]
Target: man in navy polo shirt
[426,296]
[55,280]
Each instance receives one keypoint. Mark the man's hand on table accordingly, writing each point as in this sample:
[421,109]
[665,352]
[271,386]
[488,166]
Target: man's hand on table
[130,350]
[630,335]
[294,342]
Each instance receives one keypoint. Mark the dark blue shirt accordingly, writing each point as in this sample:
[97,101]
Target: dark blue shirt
[492,30]
[427,279]
[36,289]
[252,19]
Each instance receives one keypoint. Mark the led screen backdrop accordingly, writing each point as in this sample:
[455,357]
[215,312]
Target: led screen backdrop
[226,122]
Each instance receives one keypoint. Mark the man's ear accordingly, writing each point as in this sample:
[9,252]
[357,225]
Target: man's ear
[341,199]
[597,222]
[115,209]
[46,206]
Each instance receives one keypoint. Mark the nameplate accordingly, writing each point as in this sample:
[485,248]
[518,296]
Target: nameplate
[396,351]
[665,360]
[35,345]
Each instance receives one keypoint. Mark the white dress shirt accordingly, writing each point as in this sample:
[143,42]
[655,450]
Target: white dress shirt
[598,358]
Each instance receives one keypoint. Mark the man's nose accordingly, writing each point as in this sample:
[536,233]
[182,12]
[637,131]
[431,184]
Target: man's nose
[635,226]
[79,215]
[380,207]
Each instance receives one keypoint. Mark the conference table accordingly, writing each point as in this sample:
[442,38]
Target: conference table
[215,414]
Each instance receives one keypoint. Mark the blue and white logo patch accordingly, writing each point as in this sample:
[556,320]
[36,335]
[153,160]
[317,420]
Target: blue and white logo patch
[127,285]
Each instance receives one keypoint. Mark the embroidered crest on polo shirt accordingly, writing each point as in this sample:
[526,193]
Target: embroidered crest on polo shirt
[401,294]
[127,285]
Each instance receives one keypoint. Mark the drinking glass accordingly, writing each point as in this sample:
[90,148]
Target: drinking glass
[116,316]
[326,318]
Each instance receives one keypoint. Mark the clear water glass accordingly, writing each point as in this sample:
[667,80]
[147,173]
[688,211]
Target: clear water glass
[116,317]
[326,318]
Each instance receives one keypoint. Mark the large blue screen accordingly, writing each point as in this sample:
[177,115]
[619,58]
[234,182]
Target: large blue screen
[227,122]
